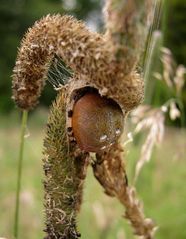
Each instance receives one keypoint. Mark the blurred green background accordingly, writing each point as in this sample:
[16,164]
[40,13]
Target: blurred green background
[161,184]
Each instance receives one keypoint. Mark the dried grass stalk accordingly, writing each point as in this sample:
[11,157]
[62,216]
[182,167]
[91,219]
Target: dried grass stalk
[110,172]
[107,62]
[91,56]
[60,35]
[153,120]
[127,24]
[65,170]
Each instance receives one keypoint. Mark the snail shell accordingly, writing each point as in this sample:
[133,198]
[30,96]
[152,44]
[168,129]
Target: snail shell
[97,122]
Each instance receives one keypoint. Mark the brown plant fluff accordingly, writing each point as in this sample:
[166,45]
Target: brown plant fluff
[65,170]
[127,24]
[89,54]
[109,170]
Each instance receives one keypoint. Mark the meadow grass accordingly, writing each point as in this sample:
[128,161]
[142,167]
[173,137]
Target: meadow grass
[161,186]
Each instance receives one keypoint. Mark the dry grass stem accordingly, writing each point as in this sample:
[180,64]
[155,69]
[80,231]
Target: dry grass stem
[173,74]
[110,172]
[65,170]
[147,118]
[107,62]
[127,25]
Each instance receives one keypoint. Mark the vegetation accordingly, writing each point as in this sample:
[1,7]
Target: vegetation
[65,162]
[161,186]
[149,138]
[173,35]
[17,16]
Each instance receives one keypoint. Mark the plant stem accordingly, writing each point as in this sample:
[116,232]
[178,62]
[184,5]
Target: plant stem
[109,170]
[65,168]
[19,171]
[151,65]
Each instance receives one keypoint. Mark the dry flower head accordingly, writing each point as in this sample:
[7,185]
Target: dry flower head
[147,118]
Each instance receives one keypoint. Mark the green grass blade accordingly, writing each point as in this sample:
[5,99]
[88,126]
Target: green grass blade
[19,172]
[154,27]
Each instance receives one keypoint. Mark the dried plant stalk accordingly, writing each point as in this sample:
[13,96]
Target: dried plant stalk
[110,172]
[61,35]
[65,170]
[127,24]
[90,55]
[106,62]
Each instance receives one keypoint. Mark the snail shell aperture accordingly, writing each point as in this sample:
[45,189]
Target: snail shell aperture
[97,122]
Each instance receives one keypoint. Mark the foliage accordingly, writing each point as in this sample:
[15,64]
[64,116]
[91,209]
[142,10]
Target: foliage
[174,34]
[17,16]
[151,120]
[175,30]
[169,82]
[161,185]
[76,45]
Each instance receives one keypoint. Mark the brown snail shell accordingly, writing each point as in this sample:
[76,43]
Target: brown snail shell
[97,122]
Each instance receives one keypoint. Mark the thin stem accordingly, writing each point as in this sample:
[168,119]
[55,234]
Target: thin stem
[19,171]
[155,44]
[127,27]
[155,27]
[109,170]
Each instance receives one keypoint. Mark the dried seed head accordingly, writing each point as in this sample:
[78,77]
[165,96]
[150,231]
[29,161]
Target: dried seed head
[89,55]
[127,24]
